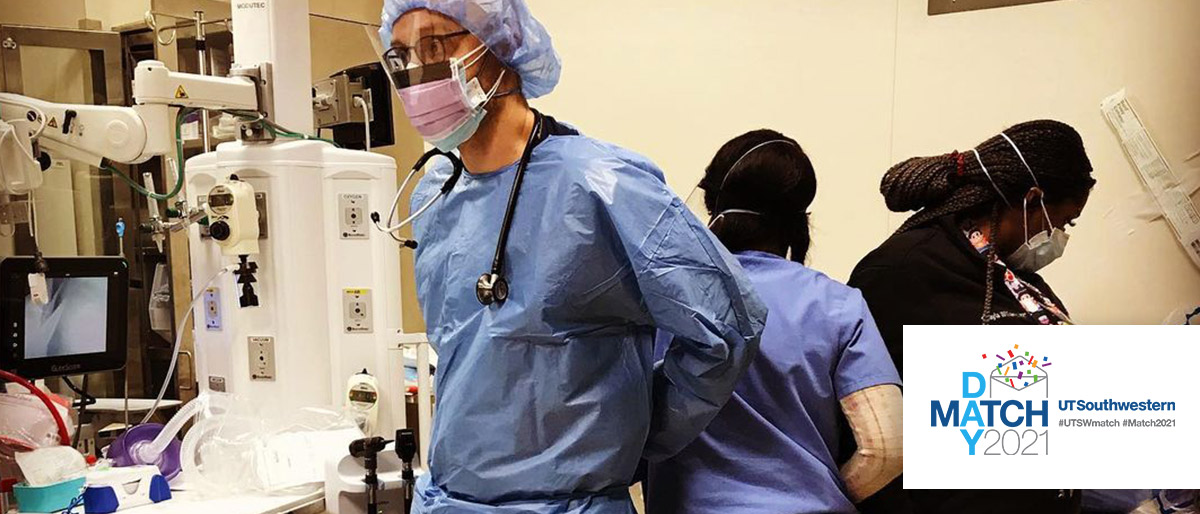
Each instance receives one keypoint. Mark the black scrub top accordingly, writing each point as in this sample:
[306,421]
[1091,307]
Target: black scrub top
[934,275]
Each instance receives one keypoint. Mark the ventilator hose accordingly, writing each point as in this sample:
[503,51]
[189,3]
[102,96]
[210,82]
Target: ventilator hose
[64,436]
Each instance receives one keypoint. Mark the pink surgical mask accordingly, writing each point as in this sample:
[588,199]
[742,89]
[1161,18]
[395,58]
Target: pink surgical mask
[447,112]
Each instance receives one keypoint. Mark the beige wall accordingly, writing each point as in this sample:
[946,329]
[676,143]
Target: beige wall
[44,13]
[114,13]
[675,83]
[964,77]
[865,83]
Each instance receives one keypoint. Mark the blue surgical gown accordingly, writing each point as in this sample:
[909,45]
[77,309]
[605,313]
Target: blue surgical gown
[547,402]
[772,449]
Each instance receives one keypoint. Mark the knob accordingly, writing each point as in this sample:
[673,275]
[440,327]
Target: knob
[219,230]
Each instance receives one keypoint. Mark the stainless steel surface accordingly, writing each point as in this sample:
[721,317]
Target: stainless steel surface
[13,212]
[104,50]
[186,383]
[263,82]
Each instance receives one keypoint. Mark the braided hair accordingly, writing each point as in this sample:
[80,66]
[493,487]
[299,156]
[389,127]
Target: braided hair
[763,172]
[957,183]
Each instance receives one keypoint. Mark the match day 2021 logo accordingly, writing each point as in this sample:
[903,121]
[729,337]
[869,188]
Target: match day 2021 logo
[1015,418]
[980,403]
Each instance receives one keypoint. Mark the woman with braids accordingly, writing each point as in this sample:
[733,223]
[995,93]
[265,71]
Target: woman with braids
[773,447]
[987,220]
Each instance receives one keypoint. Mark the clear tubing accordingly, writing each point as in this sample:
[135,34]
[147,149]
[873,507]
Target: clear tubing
[150,451]
[179,340]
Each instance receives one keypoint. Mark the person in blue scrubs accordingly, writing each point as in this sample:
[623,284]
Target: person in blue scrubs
[775,447]
[550,397]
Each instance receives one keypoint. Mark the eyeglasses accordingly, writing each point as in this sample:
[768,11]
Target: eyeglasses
[429,50]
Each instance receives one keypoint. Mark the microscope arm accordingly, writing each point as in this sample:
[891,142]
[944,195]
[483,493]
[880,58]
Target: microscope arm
[130,135]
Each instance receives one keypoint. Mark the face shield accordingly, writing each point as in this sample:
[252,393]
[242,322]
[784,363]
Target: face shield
[429,65]
[424,50]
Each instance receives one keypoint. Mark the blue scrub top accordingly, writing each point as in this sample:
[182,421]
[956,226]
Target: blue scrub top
[772,448]
[547,402]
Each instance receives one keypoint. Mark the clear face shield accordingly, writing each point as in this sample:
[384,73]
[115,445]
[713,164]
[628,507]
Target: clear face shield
[430,58]
[405,70]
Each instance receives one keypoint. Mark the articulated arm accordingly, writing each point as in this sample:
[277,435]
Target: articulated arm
[88,133]
[91,133]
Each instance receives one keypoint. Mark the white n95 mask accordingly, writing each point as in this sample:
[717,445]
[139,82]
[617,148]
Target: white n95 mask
[1040,250]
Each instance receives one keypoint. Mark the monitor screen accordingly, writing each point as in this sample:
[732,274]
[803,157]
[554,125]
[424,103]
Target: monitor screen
[73,322]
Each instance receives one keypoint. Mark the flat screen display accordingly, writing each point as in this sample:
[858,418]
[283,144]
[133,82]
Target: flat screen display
[73,322]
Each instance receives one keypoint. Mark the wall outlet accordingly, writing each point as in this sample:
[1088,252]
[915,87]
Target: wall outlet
[212,309]
[352,218]
[356,311]
[262,357]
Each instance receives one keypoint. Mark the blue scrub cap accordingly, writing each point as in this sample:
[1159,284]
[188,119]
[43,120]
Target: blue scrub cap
[505,26]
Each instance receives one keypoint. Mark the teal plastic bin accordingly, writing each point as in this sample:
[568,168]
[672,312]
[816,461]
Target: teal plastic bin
[48,498]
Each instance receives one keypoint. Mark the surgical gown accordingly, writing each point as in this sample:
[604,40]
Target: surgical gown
[774,447]
[547,402]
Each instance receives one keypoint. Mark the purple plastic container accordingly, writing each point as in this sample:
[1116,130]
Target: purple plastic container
[123,451]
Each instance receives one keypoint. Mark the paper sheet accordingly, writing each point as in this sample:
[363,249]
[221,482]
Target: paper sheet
[1172,197]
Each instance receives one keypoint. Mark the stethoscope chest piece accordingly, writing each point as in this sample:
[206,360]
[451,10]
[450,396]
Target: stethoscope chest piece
[491,288]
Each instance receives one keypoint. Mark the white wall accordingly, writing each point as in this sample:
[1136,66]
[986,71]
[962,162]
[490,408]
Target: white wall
[863,84]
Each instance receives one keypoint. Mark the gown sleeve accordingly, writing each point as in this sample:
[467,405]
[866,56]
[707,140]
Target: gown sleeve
[692,288]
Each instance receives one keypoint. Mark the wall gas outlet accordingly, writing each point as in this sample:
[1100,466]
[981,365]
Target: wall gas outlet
[356,310]
[352,219]
[212,309]
[262,357]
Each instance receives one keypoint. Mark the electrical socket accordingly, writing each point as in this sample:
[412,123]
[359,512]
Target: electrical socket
[356,311]
[212,309]
[352,219]
[262,357]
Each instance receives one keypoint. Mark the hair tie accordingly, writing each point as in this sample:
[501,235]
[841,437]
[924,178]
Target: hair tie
[962,163]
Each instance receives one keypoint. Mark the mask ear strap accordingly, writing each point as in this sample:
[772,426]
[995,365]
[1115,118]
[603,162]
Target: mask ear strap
[495,87]
[717,201]
[1025,217]
[732,211]
[1041,199]
[989,177]
[468,55]
[1022,156]
[1049,224]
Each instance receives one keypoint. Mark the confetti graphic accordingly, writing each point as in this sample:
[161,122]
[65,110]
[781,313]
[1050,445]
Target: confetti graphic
[1024,367]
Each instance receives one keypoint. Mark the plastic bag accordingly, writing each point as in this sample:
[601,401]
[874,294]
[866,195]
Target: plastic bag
[25,424]
[235,447]
[51,465]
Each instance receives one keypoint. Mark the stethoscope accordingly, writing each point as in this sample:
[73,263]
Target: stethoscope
[491,287]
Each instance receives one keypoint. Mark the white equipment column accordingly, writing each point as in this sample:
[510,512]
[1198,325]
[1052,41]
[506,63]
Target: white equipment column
[276,31]
[328,287]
